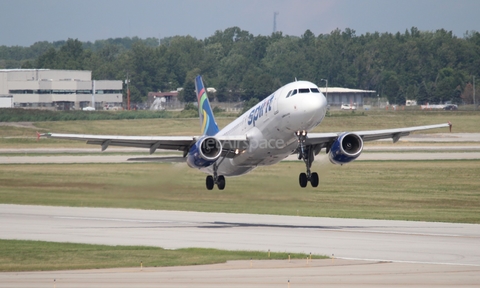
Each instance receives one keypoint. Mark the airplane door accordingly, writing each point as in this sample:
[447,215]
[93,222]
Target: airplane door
[279,94]
[275,101]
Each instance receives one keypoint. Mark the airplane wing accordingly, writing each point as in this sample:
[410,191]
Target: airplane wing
[179,143]
[325,139]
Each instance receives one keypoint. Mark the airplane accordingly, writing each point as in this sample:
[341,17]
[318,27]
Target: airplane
[272,130]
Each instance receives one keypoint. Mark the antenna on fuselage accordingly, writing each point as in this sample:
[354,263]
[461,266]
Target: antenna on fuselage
[296,79]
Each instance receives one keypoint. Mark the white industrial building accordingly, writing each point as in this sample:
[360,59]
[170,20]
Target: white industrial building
[58,89]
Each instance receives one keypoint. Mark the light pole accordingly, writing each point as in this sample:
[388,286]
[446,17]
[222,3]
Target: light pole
[474,104]
[128,92]
[326,87]
[378,97]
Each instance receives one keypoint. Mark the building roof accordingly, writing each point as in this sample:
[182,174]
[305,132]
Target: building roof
[21,70]
[30,70]
[344,90]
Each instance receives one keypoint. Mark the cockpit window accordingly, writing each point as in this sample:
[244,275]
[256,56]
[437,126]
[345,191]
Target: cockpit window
[301,90]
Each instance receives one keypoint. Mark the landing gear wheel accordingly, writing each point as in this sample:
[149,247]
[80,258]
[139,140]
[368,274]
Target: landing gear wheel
[307,154]
[209,182]
[221,182]
[314,179]
[303,180]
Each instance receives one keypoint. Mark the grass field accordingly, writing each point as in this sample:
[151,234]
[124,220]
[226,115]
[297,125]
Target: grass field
[446,191]
[16,255]
[23,136]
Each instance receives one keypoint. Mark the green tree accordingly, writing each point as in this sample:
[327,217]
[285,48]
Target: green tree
[47,59]
[431,66]
[391,87]
[449,85]
[71,56]
[188,93]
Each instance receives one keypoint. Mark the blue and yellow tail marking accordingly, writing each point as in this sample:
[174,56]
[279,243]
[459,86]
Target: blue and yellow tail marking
[207,121]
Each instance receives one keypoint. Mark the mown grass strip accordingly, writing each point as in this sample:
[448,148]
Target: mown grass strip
[442,191]
[20,255]
[36,115]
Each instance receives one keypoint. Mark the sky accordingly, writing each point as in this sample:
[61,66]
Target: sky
[24,22]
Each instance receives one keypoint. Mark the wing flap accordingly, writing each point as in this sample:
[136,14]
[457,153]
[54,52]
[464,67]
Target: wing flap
[323,139]
[180,143]
[395,134]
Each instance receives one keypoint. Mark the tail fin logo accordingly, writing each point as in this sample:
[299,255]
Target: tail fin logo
[207,121]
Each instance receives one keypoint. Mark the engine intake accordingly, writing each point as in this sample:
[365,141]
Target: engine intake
[346,148]
[204,152]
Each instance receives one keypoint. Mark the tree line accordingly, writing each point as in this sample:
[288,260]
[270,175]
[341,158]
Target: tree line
[427,66]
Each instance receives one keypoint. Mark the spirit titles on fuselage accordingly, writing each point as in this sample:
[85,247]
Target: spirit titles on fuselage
[260,109]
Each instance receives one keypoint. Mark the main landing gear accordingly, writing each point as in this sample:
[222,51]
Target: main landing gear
[215,179]
[306,153]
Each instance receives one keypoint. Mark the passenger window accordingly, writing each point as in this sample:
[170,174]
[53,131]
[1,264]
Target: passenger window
[288,95]
[304,90]
[314,90]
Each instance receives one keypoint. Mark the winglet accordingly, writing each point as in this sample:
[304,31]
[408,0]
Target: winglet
[43,135]
[207,121]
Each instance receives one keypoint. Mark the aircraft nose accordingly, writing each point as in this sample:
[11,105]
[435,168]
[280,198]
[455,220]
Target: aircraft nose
[312,104]
[311,110]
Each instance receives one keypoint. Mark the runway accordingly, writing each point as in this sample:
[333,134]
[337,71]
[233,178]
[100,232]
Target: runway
[390,156]
[366,252]
[402,241]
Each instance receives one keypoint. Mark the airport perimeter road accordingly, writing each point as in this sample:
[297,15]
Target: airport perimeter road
[402,241]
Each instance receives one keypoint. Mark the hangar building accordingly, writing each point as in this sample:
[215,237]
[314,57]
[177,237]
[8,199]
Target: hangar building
[58,89]
[336,96]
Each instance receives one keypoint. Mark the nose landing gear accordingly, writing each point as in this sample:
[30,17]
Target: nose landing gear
[306,153]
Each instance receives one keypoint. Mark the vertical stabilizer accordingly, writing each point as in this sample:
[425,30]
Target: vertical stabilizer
[207,121]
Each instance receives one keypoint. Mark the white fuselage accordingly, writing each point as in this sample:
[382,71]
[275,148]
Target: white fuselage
[270,127]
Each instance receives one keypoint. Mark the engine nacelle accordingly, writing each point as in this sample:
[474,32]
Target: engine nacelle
[204,152]
[346,148]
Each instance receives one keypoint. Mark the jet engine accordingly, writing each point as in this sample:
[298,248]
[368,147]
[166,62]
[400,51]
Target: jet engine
[204,152]
[346,148]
